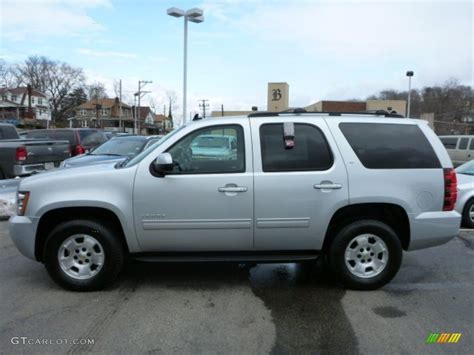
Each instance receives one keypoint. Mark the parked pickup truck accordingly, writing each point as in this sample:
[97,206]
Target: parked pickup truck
[22,157]
[354,189]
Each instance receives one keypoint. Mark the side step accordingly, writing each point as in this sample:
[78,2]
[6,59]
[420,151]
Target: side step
[261,257]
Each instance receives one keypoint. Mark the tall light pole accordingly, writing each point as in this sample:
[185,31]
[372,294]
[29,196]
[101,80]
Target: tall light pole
[409,74]
[194,15]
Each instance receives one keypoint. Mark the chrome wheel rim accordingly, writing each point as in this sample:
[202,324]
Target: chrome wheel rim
[471,213]
[81,256]
[366,255]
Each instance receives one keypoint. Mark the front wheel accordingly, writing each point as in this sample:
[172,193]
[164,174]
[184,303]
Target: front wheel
[365,255]
[83,255]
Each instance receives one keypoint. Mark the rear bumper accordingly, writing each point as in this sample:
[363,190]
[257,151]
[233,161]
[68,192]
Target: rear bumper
[28,169]
[23,233]
[430,229]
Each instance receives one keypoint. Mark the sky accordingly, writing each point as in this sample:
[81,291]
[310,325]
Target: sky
[324,50]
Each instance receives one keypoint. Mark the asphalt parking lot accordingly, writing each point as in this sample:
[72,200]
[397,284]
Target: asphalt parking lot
[227,308]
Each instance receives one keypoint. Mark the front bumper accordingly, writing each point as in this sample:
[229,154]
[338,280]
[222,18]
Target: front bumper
[430,229]
[23,233]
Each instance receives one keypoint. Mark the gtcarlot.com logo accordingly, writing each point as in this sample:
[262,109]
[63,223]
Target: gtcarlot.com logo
[48,341]
[443,338]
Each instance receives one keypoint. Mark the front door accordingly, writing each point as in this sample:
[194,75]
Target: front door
[299,183]
[206,202]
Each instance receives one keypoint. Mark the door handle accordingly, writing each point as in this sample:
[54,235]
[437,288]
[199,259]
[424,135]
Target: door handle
[232,189]
[327,186]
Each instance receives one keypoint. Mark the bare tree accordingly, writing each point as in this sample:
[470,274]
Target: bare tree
[54,78]
[8,75]
[96,91]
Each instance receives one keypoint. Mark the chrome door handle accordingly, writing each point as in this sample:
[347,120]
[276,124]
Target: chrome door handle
[327,186]
[232,189]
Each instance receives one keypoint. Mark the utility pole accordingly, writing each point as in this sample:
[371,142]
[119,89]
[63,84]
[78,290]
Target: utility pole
[222,110]
[204,105]
[141,85]
[120,105]
[409,74]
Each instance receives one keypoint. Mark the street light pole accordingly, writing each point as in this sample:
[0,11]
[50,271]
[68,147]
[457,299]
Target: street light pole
[409,74]
[185,67]
[194,15]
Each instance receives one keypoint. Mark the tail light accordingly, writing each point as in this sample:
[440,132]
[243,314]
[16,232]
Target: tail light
[450,189]
[21,153]
[78,149]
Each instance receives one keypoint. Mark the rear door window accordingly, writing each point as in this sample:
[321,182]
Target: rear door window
[390,146]
[311,151]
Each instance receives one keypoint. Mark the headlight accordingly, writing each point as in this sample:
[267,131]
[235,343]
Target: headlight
[22,202]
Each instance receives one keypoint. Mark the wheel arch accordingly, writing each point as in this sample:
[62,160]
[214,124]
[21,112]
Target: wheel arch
[393,215]
[53,217]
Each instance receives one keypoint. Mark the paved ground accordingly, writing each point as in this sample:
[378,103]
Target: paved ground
[220,308]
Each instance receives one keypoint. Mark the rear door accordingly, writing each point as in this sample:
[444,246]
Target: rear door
[297,189]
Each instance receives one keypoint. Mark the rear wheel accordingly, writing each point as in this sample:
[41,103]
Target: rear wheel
[83,255]
[468,214]
[365,255]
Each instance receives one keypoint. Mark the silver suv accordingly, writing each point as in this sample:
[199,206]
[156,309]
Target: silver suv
[354,189]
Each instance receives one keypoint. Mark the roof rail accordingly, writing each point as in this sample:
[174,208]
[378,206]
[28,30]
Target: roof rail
[303,111]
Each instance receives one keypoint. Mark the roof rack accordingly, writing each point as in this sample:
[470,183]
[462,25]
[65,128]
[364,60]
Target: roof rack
[303,111]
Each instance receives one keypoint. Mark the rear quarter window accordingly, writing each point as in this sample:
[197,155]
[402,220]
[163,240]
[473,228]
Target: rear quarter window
[390,146]
[449,142]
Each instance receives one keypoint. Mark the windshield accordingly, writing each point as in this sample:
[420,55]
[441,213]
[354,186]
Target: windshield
[152,147]
[466,168]
[211,142]
[122,147]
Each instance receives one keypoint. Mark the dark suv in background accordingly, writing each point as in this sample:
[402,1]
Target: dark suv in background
[81,139]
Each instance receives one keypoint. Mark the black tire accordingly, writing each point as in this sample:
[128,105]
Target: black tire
[466,220]
[337,249]
[110,242]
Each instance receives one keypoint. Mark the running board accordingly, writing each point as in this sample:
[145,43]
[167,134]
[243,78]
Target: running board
[260,257]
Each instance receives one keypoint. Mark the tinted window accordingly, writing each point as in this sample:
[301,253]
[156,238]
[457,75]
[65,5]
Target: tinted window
[120,146]
[65,135]
[8,132]
[41,133]
[471,146]
[207,151]
[463,143]
[390,146]
[310,152]
[449,143]
[92,138]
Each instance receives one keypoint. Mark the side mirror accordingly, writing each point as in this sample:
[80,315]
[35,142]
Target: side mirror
[163,164]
